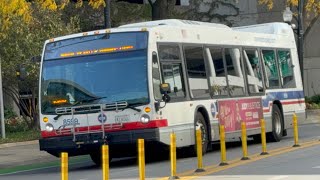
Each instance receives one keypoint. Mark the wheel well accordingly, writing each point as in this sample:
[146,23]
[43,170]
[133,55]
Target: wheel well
[204,113]
[278,103]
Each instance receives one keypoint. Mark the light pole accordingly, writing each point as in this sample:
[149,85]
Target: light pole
[107,18]
[287,17]
[3,130]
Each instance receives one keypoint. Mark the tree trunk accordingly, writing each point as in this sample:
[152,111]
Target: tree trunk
[161,9]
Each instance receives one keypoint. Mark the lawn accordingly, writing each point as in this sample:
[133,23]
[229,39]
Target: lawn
[21,136]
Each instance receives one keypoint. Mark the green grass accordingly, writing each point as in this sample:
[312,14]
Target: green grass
[21,136]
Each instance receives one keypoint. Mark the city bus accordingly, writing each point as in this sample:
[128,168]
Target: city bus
[149,79]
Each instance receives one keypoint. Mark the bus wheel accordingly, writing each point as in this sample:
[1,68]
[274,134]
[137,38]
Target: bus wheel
[201,123]
[96,157]
[277,124]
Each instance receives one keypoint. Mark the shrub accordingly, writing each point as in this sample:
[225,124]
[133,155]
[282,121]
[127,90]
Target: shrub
[9,113]
[16,124]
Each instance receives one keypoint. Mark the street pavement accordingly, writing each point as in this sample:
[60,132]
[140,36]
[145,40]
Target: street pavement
[27,153]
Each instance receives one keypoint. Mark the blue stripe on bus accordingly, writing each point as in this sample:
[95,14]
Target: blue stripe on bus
[287,95]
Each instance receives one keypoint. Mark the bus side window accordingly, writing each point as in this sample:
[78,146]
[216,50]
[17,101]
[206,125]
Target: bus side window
[171,65]
[156,77]
[196,70]
[218,80]
[234,69]
[271,68]
[286,68]
[253,70]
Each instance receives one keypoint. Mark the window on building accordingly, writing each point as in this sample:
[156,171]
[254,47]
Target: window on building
[196,70]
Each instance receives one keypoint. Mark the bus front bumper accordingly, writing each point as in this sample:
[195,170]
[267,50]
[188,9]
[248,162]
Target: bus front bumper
[86,143]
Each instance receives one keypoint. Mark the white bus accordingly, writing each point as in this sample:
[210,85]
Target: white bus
[146,80]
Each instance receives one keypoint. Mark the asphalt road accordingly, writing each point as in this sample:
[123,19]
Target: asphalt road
[300,164]
[127,168]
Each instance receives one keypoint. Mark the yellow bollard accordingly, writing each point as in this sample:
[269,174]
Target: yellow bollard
[263,137]
[173,156]
[105,162]
[295,130]
[64,166]
[223,146]
[244,141]
[141,159]
[199,151]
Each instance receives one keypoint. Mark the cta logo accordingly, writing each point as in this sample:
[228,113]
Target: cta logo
[102,118]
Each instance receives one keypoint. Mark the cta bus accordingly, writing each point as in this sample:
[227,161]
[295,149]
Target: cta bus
[147,80]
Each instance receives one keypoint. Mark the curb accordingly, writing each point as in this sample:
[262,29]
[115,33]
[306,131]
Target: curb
[7,145]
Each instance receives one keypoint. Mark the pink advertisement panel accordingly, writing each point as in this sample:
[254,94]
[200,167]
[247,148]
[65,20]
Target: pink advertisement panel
[232,112]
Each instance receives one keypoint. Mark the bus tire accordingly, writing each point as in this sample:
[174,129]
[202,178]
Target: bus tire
[201,123]
[96,157]
[277,125]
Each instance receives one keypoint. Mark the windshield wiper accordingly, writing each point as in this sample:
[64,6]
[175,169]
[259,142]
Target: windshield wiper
[80,102]
[133,106]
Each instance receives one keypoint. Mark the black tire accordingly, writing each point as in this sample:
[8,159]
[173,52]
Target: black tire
[277,125]
[96,157]
[201,123]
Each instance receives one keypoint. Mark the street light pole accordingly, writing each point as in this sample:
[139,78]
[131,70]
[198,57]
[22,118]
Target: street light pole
[300,38]
[3,130]
[107,18]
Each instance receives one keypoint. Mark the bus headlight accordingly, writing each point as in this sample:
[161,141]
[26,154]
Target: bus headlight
[145,118]
[49,127]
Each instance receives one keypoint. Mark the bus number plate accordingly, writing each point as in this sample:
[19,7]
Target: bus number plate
[122,118]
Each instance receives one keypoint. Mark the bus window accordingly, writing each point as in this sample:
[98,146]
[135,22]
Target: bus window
[196,70]
[286,68]
[171,65]
[219,80]
[172,74]
[156,77]
[234,71]
[253,70]
[271,68]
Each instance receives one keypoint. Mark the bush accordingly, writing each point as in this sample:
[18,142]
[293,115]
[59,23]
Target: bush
[313,102]
[16,124]
[9,113]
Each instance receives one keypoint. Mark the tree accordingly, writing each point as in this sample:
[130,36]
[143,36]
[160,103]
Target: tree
[24,42]
[311,11]
[161,8]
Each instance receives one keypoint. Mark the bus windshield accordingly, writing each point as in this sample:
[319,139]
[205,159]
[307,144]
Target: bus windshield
[100,78]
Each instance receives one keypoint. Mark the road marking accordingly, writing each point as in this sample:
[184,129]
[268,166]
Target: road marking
[234,163]
[316,167]
[278,177]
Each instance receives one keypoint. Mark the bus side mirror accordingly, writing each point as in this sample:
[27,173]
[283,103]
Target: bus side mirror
[165,88]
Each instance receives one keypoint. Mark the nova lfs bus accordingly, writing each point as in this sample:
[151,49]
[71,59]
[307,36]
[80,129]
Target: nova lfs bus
[147,80]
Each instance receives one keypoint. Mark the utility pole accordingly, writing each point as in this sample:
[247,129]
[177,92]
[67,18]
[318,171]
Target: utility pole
[300,38]
[107,18]
[3,130]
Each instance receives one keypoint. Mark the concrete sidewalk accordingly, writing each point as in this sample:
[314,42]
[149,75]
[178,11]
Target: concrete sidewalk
[23,153]
[26,153]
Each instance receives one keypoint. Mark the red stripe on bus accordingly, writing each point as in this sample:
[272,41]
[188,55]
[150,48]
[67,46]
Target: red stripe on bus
[125,127]
[285,103]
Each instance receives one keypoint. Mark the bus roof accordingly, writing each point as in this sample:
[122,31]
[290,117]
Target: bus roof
[276,28]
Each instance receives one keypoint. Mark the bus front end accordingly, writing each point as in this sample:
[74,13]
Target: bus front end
[94,90]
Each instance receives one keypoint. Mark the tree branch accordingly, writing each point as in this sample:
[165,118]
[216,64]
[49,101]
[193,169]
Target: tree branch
[151,4]
[313,21]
